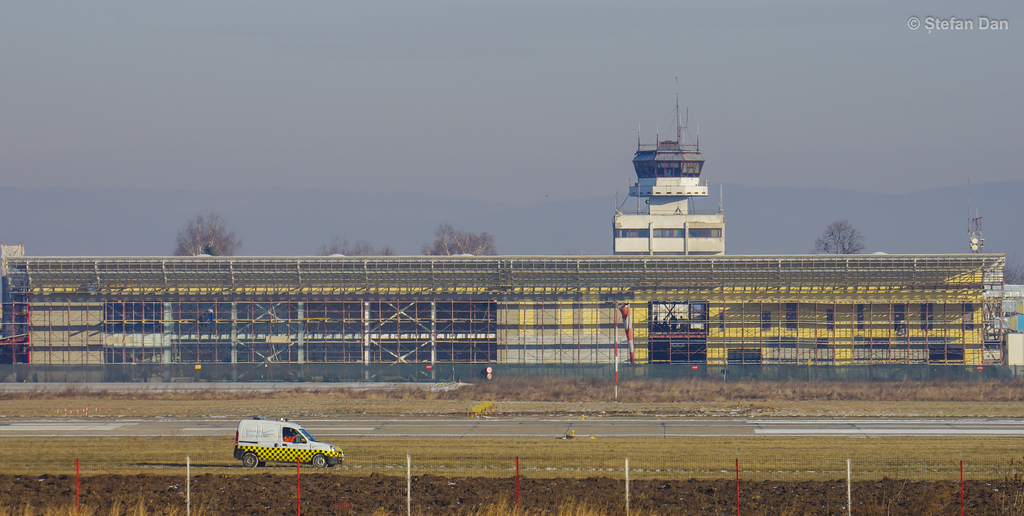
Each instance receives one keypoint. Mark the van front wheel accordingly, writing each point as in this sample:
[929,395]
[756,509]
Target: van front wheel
[319,461]
[250,460]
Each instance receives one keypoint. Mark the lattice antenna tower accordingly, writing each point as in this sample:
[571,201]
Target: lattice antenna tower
[974,236]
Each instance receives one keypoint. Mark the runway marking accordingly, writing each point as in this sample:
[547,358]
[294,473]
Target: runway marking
[985,422]
[36,427]
[344,429]
[314,431]
[888,431]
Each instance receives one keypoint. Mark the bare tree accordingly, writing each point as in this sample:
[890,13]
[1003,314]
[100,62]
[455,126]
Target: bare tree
[338,245]
[840,237]
[206,234]
[449,242]
[1013,273]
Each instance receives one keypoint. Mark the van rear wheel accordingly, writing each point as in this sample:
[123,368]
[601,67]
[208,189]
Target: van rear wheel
[250,460]
[319,461]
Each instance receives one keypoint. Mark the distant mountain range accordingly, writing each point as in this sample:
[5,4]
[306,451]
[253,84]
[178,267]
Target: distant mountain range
[294,222]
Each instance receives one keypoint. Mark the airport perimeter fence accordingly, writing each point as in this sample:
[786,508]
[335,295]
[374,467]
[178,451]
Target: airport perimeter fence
[202,473]
[721,460]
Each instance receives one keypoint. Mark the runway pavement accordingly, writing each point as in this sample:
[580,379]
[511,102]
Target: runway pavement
[498,427]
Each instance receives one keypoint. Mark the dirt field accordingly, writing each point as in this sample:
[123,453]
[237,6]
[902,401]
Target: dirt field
[275,494]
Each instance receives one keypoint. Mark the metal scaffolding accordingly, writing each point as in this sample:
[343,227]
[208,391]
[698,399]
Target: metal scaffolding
[714,310]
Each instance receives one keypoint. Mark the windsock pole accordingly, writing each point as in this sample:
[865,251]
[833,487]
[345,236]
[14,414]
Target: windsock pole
[628,324]
[616,339]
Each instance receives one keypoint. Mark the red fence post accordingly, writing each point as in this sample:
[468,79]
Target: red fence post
[77,484]
[737,486]
[517,484]
[298,490]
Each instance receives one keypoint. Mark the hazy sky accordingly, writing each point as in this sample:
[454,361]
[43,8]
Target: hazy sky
[504,99]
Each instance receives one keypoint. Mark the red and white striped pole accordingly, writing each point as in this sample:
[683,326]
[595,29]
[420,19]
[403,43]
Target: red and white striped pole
[615,338]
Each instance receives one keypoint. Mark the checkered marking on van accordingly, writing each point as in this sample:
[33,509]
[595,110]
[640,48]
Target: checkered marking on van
[283,454]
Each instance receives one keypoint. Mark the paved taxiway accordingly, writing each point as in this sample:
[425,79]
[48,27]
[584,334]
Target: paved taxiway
[539,426]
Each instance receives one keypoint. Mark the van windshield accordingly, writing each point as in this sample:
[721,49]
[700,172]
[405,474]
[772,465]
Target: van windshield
[310,438]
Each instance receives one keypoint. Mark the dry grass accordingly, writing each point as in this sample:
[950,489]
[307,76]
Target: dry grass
[548,389]
[554,396]
[317,408]
[689,390]
[118,508]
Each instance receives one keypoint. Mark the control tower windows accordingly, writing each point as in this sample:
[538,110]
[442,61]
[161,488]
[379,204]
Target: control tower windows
[705,232]
[677,233]
[632,233]
[668,170]
[674,169]
[668,233]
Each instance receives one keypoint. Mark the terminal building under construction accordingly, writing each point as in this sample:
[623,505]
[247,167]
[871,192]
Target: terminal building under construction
[234,315]
[670,295]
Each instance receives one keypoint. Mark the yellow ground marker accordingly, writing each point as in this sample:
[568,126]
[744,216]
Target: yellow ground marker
[482,408]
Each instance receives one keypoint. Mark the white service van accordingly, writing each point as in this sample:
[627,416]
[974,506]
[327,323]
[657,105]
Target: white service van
[259,440]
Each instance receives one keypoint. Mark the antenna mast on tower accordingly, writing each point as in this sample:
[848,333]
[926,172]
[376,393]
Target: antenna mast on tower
[681,123]
[679,127]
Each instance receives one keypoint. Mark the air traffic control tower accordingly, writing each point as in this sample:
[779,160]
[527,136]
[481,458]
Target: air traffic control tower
[664,222]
